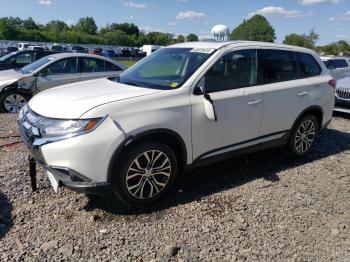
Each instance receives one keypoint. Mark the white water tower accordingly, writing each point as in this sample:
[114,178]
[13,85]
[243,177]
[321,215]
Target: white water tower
[220,32]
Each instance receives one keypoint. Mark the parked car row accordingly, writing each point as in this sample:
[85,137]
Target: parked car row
[107,52]
[17,86]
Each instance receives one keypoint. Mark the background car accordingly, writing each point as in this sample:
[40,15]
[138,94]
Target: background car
[108,53]
[76,49]
[342,95]
[339,66]
[19,59]
[7,50]
[36,47]
[95,51]
[18,86]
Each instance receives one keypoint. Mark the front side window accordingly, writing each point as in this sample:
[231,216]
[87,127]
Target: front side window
[63,66]
[234,70]
[91,65]
[278,66]
[167,68]
[308,66]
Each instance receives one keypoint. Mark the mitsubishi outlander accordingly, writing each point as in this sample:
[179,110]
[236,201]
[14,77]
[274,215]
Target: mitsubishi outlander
[183,106]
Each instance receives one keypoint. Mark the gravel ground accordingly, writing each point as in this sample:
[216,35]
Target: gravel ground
[261,207]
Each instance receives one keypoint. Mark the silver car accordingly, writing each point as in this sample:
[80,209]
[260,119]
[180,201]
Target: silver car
[18,86]
[342,95]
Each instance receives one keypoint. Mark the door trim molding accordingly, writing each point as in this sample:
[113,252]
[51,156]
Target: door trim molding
[219,150]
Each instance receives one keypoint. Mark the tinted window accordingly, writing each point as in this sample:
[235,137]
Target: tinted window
[337,63]
[307,65]
[25,58]
[234,70]
[111,67]
[278,65]
[63,66]
[91,65]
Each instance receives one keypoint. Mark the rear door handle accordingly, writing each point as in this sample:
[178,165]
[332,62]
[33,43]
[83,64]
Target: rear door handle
[254,102]
[302,94]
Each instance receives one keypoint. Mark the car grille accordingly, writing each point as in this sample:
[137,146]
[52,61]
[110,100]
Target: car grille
[343,93]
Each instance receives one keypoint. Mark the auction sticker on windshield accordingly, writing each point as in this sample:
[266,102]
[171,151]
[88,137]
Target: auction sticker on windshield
[202,50]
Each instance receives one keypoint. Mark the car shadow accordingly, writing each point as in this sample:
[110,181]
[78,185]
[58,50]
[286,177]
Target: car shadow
[5,215]
[341,114]
[232,173]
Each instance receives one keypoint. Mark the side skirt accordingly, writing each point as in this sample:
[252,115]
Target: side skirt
[239,152]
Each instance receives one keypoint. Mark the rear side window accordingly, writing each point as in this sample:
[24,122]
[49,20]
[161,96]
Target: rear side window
[111,67]
[278,66]
[308,66]
[337,63]
[92,65]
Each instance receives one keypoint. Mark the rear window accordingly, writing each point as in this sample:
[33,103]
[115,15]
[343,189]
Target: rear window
[278,66]
[308,66]
[337,63]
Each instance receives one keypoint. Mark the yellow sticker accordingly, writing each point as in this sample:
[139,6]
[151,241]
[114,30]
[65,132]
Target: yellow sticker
[173,85]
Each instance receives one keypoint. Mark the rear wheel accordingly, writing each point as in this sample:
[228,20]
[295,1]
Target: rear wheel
[12,101]
[144,174]
[303,135]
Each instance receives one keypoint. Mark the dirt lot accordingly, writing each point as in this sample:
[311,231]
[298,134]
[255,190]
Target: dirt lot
[262,207]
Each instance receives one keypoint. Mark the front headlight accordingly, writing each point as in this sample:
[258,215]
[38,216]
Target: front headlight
[56,127]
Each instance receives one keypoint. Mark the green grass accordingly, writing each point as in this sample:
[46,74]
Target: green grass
[127,63]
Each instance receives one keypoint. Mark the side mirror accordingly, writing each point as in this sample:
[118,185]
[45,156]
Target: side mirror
[13,61]
[42,74]
[209,107]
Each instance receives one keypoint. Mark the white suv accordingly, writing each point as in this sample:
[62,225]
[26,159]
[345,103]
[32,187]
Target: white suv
[185,105]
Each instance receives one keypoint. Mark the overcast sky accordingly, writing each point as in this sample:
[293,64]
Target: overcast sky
[329,18]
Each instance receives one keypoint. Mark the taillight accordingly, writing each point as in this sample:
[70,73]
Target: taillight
[333,83]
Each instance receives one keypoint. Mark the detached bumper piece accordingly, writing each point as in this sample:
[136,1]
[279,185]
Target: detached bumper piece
[78,183]
[32,173]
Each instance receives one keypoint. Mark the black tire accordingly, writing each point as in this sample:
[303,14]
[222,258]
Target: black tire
[121,172]
[300,143]
[16,93]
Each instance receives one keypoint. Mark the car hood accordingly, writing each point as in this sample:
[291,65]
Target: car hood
[73,100]
[344,83]
[9,76]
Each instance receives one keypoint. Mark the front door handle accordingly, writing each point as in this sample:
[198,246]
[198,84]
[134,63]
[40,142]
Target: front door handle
[302,94]
[254,102]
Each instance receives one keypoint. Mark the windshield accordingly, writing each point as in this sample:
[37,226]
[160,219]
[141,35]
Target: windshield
[167,68]
[5,57]
[28,69]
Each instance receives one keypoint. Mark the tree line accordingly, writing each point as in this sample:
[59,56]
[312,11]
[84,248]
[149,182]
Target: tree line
[85,31]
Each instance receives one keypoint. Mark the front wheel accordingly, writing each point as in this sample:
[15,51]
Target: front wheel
[303,135]
[12,101]
[144,174]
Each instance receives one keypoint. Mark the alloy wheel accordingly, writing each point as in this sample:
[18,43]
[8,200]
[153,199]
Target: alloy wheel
[14,102]
[305,136]
[148,174]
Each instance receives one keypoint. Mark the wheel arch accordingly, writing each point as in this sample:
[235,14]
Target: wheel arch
[316,111]
[166,136]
